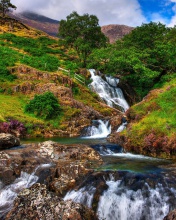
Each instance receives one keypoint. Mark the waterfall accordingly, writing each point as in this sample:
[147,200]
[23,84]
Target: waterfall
[108,91]
[99,129]
[129,199]
[124,204]
[10,192]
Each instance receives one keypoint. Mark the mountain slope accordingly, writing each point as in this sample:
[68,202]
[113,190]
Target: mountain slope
[29,66]
[40,22]
[50,26]
[115,32]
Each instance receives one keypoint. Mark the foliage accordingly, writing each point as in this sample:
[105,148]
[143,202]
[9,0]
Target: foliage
[142,57]
[40,53]
[45,106]
[8,58]
[83,33]
[13,127]
[5,5]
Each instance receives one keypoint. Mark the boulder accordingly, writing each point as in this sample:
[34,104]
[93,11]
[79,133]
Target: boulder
[69,164]
[8,141]
[38,203]
[171,215]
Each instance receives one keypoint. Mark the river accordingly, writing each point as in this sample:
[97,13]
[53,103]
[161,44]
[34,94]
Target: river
[135,187]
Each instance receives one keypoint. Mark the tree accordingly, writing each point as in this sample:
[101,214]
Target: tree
[146,35]
[82,33]
[5,5]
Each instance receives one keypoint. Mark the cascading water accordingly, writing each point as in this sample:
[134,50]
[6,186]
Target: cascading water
[132,197]
[10,192]
[99,129]
[123,203]
[108,91]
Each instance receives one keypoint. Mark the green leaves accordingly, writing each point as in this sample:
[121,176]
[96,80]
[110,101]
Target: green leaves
[5,5]
[45,106]
[82,33]
[142,58]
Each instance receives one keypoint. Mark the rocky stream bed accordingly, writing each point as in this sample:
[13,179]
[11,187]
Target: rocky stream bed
[49,180]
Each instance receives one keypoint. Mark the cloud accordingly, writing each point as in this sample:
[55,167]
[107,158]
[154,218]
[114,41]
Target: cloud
[108,11]
[172,22]
[157,17]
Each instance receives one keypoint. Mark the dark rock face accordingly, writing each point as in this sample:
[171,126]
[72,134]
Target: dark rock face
[171,215]
[8,141]
[38,203]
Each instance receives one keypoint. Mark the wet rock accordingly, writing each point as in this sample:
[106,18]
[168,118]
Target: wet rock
[117,138]
[8,141]
[171,215]
[38,203]
[69,163]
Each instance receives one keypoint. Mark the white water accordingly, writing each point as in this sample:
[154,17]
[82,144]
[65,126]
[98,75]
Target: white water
[121,203]
[108,90]
[78,196]
[122,127]
[109,152]
[101,131]
[10,192]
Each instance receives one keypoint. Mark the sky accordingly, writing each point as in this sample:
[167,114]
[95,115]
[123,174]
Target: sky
[128,12]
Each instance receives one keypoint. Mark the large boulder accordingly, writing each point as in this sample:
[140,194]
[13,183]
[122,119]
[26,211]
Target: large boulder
[8,141]
[38,203]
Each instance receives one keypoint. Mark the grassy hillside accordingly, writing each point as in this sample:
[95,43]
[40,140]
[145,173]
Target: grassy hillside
[28,66]
[152,130]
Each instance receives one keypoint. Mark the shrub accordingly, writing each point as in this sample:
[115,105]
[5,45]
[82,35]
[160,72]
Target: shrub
[14,127]
[45,106]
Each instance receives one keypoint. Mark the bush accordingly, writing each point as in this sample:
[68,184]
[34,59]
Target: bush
[45,106]
[13,127]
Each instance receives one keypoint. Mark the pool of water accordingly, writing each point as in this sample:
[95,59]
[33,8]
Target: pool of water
[113,156]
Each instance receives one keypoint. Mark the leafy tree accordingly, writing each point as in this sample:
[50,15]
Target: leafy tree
[5,5]
[142,58]
[45,106]
[146,35]
[83,33]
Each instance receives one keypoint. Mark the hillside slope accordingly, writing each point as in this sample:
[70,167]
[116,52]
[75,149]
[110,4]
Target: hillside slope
[50,26]
[29,66]
[152,124]
[115,32]
[40,22]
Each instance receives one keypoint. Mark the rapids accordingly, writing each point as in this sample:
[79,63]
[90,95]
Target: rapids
[10,192]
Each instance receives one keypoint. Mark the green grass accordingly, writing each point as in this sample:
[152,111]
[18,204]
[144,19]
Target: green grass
[155,115]
[12,107]
[40,53]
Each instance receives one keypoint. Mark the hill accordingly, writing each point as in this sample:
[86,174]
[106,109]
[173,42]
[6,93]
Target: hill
[50,26]
[115,32]
[40,22]
[152,125]
[29,67]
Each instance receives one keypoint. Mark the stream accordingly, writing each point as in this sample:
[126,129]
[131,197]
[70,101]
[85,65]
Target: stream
[137,187]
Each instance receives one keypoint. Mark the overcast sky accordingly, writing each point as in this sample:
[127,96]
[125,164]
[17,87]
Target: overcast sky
[128,12]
